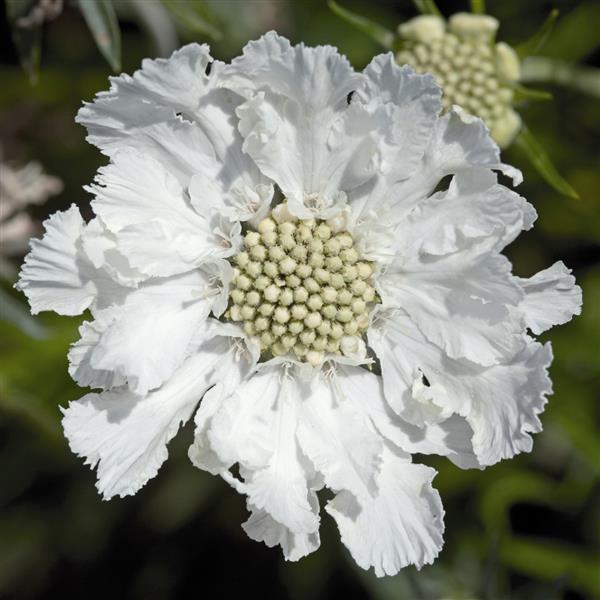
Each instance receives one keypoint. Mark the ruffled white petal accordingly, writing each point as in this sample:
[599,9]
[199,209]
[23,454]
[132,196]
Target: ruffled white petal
[144,335]
[364,391]
[459,143]
[551,298]
[294,123]
[155,94]
[126,436]
[506,402]
[474,213]
[261,527]
[56,275]
[80,368]
[154,224]
[236,348]
[338,439]
[99,246]
[447,274]
[401,525]
[414,101]
[462,304]
[500,403]
[175,112]
[256,427]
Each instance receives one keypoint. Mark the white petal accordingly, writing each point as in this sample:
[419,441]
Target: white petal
[242,354]
[294,123]
[402,525]
[55,275]
[261,527]
[238,202]
[99,246]
[551,298]
[406,357]
[365,391]
[500,402]
[256,427]
[155,226]
[506,402]
[339,440]
[80,368]
[154,95]
[180,80]
[459,143]
[463,304]
[145,334]
[476,212]
[126,436]
[173,111]
[414,101]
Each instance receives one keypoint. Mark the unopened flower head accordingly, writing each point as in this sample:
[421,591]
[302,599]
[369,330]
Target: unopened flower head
[269,253]
[474,72]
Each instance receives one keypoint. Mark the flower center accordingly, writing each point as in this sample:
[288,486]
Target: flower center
[300,288]
[467,71]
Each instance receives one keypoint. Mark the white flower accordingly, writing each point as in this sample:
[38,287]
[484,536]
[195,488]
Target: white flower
[279,309]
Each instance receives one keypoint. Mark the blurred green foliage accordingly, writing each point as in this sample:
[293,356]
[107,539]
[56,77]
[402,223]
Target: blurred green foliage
[525,529]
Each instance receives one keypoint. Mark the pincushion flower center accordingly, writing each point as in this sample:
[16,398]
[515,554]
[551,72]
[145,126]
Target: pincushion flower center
[301,288]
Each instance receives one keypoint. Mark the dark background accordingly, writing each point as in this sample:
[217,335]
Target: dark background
[527,528]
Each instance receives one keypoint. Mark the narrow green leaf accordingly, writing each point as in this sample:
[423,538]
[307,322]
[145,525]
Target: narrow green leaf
[103,24]
[578,77]
[426,7]
[478,7]
[195,16]
[539,38]
[575,36]
[524,93]
[375,31]
[542,163]
[27,39]
[548,560]
[16,313]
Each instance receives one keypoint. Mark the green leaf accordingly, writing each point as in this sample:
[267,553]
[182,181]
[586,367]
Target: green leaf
[17,313]
[27,40]
[575,37]
[195,16]
[478,7]
[426,7]
[511,488]
[542,163]
[578,77]
[548,560]
[103,24]
[375,31]
[524,93]
[539,38]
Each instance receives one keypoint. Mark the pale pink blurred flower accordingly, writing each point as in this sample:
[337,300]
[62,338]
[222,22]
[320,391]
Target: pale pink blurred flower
[19,188]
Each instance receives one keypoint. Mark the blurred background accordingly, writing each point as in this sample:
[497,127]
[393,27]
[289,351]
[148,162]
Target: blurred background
[528,528]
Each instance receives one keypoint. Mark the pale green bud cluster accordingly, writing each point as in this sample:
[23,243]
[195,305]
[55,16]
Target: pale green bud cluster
[300,288]
[472,70]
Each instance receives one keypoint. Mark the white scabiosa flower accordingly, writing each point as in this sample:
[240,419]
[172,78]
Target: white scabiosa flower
[269,240]
[474,71]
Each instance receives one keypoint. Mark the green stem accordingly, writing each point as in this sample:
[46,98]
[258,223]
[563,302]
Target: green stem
[478,7]
[427,7]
